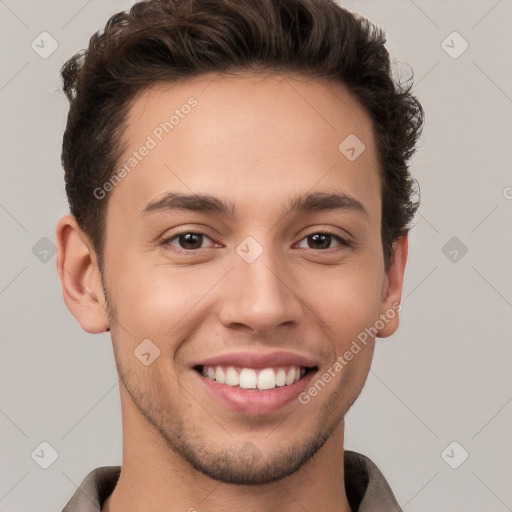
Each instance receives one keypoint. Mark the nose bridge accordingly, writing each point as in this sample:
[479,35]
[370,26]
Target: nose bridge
[261,295]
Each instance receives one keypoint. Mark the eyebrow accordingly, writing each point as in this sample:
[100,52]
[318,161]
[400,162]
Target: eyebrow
[204,203]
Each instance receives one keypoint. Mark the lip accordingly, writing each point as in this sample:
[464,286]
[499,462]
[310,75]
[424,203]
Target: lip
[255,402]
[255,360]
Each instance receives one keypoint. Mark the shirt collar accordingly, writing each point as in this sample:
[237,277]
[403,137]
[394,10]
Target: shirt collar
[367,489]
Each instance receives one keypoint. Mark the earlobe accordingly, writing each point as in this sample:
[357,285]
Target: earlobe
[80,277]
[392,289]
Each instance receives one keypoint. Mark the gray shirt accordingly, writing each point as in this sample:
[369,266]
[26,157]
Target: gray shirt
[366,488]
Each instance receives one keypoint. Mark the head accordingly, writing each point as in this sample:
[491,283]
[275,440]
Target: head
[285,114]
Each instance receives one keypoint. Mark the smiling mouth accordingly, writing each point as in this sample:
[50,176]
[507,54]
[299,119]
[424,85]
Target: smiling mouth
[259,379]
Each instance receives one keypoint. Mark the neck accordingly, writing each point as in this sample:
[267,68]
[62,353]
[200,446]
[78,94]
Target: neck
[155,477]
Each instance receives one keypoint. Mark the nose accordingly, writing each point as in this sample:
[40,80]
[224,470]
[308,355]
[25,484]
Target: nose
[260,296]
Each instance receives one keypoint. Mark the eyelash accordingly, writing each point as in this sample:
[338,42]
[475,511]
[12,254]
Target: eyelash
[342,241]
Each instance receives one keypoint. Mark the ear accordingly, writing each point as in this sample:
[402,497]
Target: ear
[80,276]
[392,288]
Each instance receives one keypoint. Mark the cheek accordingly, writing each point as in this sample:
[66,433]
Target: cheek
[347,299]
[151,304]
[159,301]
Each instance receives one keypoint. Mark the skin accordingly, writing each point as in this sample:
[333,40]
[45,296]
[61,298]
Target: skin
[270,138]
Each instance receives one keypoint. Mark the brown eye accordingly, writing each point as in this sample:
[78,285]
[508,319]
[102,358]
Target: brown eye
[322,240]
[187,240]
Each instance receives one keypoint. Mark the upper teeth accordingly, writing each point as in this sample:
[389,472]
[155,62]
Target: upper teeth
[250,378]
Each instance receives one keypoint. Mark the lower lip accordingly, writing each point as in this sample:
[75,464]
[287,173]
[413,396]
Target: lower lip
[253,401]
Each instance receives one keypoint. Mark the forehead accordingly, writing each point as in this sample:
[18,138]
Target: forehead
[248,138]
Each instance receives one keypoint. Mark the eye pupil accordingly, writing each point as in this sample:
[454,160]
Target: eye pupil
[190,239]
[321,238]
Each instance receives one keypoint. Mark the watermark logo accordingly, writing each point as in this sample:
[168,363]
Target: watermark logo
[146,352]
[44,455]
[250,453]
[454,455]
[454,45]
[454,249]
[44,45]
[44,250]
[249,249]
[352,147]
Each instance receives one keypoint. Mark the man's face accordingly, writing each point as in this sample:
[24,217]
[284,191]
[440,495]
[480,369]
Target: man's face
[259,287]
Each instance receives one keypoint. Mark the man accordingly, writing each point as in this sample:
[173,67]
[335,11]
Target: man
[238,181]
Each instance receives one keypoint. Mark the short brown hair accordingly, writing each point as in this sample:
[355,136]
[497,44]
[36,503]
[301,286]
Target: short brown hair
[173,40]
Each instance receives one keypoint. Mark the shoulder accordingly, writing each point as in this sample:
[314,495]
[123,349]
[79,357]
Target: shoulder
[366,487]
[95,488]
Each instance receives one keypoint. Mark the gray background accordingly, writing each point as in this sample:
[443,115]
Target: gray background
[444,377]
